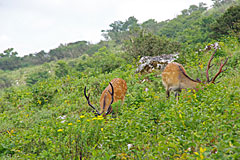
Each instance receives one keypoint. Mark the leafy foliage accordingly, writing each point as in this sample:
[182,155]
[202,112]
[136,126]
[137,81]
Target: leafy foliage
[38,76]
[228,23]
[62,69]
[51,119]
[147,44]
[102,61]
[120,31]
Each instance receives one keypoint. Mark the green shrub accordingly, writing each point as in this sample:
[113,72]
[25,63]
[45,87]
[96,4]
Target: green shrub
[62,69]
[147,44]
[37,76]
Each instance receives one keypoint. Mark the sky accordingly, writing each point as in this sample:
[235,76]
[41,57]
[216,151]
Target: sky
[30,26]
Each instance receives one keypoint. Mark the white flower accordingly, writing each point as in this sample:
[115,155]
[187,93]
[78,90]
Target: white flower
[62,117]
[130,146]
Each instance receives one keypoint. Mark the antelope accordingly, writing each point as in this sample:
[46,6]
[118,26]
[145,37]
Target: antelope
[118,89]
[175,78]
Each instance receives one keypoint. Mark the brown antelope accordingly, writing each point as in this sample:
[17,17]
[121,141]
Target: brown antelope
[115,91]
[175,78]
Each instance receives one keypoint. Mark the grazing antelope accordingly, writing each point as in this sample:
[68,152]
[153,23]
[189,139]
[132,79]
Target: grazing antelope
[175,78]
[115,91]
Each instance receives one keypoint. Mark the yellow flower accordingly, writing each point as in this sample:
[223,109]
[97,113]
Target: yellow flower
[60,130]
[69,124]
[100,116]
[9,133]
[82,116]
[39,102]
[195,96]
[196,153]
[101,129]
[78,120]
[202,150]
[180,116]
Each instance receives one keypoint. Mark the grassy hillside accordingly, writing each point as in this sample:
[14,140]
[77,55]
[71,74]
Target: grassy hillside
[44,114]
[51,119]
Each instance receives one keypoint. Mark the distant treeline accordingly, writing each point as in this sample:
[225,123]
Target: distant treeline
[9,59]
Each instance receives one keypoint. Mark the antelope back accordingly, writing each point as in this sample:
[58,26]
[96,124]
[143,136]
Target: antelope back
[120,89]
[174,77]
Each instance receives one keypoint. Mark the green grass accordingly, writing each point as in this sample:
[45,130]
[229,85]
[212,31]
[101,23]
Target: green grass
[51,119]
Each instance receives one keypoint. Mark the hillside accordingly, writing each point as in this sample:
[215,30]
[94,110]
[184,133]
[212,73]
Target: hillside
[44,114]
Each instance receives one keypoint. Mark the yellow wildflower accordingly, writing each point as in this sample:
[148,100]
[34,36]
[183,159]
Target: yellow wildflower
[9,133]
[39,102]
[101,129]
[180,116]
[202,150]
[69,124]
[60,130]
[100,116]
[78,120]
[196,153]
[82,116]
[94,118]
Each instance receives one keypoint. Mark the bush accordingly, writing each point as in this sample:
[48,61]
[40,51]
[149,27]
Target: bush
[147,44]
[36,77]
[62,69]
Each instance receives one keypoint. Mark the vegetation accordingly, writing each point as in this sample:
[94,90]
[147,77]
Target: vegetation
[147,44]
[228,23]
[44,114]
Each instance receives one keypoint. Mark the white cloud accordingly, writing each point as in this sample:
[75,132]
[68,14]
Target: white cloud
[29,26]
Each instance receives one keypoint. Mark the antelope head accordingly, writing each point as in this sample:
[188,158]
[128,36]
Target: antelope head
[115,91]
[95,111]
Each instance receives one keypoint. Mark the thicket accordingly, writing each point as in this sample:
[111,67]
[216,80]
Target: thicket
[148,44]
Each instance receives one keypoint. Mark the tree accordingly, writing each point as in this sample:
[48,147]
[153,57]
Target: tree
[9,60]
[148,44]
[9,53]
[228,23]
[120,31]
[150,25]
[219,3]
